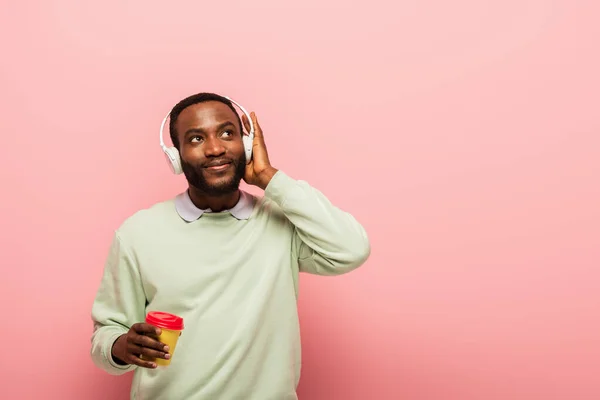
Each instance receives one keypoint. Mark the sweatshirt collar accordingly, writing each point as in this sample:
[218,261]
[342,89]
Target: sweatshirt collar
[189,212]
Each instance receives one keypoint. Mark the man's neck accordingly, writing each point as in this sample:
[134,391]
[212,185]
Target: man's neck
[215,203]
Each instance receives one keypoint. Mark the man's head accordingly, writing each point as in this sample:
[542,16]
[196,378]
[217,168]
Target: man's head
[207,131]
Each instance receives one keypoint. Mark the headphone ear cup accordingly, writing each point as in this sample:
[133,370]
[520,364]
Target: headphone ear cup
[174,160]
[248,140]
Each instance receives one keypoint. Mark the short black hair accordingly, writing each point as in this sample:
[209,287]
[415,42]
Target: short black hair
[190,101]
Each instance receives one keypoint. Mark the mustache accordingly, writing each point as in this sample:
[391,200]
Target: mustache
[216,163]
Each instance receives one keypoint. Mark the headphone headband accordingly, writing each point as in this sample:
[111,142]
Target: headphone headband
[173,156]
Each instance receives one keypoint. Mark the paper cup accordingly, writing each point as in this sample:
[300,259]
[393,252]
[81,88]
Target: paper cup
[171,327]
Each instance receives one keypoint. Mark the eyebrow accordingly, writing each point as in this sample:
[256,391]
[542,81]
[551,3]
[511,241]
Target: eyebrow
[200,130]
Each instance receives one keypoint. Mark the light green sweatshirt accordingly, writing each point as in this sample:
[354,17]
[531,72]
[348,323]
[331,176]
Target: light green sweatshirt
[234,282]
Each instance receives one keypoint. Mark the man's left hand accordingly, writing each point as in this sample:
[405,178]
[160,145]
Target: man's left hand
[259,170]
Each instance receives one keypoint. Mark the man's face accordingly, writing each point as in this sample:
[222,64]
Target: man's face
[211,147]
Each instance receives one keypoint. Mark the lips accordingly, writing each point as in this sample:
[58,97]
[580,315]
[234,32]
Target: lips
[219,165]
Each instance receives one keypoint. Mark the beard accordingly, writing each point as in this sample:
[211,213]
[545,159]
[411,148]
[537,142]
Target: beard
[226,185]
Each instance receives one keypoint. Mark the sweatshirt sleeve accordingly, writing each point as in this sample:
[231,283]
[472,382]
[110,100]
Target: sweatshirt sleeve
[329,241]
[119,303]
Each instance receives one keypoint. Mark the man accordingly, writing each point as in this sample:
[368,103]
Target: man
[224,260]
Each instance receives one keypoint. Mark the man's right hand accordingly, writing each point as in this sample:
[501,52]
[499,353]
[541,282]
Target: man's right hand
[140,340]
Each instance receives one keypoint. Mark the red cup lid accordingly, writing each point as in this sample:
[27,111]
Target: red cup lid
[164,320]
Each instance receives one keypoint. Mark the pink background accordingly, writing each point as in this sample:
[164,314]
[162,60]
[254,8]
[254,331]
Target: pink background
[463,134]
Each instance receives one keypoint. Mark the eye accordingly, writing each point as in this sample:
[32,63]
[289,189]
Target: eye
[227,134]
[194,139]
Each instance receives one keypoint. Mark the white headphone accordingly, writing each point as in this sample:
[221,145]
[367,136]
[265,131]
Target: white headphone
[172,154]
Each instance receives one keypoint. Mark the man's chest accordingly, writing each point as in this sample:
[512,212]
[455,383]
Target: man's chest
[192,271]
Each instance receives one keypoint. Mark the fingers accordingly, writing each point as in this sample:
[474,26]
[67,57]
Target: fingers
[246,123]
[142,341]
[135,353]
[257,129]
[141,363]
[146,352]
[143,328]
[150,343]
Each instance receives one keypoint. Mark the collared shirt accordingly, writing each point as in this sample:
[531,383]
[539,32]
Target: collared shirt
[189,212]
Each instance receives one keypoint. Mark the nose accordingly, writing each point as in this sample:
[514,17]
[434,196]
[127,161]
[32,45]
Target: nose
[213,147]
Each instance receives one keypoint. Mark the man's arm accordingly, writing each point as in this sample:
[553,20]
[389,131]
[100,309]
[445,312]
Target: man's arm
[331,241]
[119,303]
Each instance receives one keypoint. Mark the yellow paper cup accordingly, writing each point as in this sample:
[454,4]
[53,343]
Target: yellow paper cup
[171,327]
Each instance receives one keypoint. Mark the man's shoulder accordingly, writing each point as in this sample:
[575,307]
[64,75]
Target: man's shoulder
[269,209]
[149,219]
